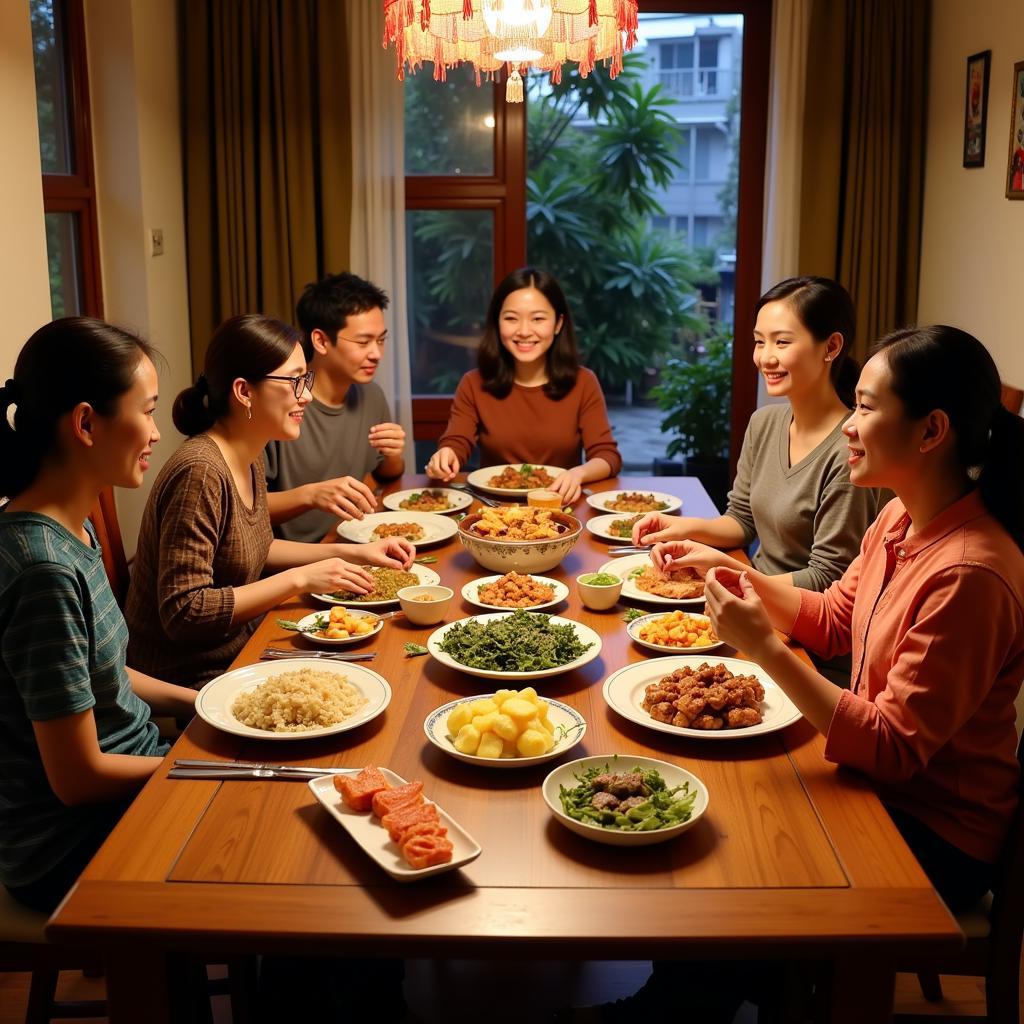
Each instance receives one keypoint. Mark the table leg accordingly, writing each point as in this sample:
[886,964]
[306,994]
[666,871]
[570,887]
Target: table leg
[137,986]
[861,990]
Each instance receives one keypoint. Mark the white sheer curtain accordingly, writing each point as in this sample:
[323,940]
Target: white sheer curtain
[782,174]
[782,179]
[378,194]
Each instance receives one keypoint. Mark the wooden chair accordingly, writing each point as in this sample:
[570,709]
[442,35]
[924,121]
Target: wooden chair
[108,533]
[1012,398]
[23,947]
[994,930]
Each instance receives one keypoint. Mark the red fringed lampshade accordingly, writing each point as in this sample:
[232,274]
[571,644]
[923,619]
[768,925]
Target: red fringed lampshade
[489,34]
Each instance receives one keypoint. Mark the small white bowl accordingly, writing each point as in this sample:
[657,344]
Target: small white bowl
[565,775]
[425,606]
[598,597]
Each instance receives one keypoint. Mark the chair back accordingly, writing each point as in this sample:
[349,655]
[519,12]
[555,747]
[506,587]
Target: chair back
[108,533]
[1008,891]
[1012,398]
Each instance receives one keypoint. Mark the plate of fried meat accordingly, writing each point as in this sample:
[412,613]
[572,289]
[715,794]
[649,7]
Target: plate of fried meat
[718,699]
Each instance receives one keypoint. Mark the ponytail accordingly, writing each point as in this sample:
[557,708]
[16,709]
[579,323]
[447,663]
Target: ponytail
[1001,483]
[66,362]
[845,374]
[191,412]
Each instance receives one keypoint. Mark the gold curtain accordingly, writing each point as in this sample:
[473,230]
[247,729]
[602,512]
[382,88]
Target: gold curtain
[863,157]
[267,155]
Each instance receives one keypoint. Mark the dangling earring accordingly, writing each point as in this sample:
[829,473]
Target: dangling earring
[248,412]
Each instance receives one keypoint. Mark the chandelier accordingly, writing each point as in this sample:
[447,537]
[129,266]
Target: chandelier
[492,34]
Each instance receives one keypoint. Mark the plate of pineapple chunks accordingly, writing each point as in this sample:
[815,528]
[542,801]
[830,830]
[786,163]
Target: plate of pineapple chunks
[505,729]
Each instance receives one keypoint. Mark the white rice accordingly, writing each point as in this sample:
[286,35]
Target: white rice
[298,701]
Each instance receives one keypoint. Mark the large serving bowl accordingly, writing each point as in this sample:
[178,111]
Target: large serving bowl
[526,556]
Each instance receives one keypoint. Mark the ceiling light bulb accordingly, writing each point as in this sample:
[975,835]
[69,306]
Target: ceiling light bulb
[514,17]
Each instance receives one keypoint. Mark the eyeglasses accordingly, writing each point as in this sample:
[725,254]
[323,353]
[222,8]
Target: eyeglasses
[364,343]
[304,382]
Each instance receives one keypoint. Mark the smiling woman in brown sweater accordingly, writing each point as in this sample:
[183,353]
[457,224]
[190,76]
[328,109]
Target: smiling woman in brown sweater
[530,400]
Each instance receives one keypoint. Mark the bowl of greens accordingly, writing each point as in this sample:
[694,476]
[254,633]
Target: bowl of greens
[514,645]
[625,800]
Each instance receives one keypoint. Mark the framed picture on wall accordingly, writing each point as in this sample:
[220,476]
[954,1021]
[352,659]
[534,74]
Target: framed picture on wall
[1015,165]
[976,108]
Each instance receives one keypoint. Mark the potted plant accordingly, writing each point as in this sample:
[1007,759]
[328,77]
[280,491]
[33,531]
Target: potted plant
[696,393]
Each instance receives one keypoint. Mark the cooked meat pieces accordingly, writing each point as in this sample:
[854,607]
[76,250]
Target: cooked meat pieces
[621,784]
[604,802]
[608,802]
[709,697]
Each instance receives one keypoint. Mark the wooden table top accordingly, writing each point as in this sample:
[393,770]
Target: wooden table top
[793,856]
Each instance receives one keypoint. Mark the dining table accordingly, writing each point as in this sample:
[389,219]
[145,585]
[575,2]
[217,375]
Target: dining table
[795,860]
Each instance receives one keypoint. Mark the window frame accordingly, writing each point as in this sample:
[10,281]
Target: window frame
[76,192]
[505,193]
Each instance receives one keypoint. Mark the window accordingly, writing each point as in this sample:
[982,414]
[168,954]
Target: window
[465,209]
[491,186]
[690,67]
[69,197]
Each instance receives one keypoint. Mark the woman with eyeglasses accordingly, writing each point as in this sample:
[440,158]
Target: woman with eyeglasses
[529,400]
[207,564]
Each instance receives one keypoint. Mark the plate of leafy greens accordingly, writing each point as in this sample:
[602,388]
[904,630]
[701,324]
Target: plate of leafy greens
[625,800]
[514,645]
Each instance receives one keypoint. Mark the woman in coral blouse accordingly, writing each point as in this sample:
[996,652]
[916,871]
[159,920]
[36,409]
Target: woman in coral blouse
[933,612]
[529,400]
[932,608]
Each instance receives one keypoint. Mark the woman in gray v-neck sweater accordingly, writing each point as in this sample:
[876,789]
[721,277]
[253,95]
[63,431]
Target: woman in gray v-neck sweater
[792,490]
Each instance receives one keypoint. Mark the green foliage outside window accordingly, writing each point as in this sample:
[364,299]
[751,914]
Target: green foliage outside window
[590,194]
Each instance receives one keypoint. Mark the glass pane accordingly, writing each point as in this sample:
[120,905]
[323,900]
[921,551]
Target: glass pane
[65,264]
[450,268]
[449,126]
[51,88]
[632,206]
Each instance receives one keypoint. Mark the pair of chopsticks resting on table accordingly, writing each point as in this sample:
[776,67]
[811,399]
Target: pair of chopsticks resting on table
[186,768]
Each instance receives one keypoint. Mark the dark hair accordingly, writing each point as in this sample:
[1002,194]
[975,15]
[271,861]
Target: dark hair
[327,305]
[497,365]
[825,308]
[945,368]
[76,359]
[248,346]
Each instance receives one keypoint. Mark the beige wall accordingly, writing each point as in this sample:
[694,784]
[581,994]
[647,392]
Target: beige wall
[24,281]
[971,268]
[136,131]
[133,69]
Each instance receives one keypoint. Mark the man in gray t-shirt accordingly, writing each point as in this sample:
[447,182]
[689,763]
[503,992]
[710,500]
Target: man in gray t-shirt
[346,431]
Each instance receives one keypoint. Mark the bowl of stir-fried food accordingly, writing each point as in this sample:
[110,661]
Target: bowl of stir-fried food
[624,800]
[518,538]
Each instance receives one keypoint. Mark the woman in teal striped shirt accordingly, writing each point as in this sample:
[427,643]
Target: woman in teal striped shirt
[76,739]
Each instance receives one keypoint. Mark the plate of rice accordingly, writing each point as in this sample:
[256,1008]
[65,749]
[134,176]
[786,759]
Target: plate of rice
[297,699]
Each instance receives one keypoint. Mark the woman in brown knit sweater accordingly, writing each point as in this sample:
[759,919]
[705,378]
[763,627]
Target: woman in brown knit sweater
[207,565]
[530,400]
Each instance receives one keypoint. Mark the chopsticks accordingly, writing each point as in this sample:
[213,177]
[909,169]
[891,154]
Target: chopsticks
[282,653]
[186,768]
